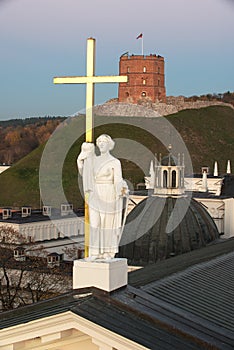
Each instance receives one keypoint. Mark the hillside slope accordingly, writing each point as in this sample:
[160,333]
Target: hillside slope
[207,133]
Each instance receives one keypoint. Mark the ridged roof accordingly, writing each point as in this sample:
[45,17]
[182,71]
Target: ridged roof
[152,234]
[204,290]
[191,309]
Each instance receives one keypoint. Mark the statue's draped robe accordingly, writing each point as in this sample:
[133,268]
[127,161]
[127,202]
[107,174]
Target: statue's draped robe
[102,179]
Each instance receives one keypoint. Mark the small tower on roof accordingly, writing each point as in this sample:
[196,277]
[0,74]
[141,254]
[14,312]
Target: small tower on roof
[146,78]
[228,167]
[216,169]
[168,175]
[204,182]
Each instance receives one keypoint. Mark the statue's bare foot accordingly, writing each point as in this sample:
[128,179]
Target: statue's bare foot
[108,256]
[91,258]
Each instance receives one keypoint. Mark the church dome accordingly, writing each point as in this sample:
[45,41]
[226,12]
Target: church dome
[169,160]
[153,232]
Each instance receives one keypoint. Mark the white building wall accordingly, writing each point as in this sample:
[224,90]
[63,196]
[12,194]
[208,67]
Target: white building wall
[222,212]
[49,229]
[194,184]
[229,218]
[3,168]
[216,209]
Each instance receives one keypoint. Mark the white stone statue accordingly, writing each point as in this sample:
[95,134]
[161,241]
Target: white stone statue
[102,180]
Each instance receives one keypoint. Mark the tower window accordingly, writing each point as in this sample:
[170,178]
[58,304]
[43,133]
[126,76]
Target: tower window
[158,70]
[144,69]
[144,82]
[173,179]
[127,94]
[158,82]
[143,94]
[128,69]
[165,178]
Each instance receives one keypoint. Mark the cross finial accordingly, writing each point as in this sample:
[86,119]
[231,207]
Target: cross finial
[90,80]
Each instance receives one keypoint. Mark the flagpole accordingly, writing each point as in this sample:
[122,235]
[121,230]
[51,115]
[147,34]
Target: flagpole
[140,36]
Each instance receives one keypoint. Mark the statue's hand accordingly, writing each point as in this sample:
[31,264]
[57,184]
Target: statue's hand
[124,189]
[124,192]
[87,150]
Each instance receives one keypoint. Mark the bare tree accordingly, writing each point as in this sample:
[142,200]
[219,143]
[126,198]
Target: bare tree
[24,275]
[76,251]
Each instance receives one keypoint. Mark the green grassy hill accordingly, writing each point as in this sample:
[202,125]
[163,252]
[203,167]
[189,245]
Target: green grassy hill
[207,133]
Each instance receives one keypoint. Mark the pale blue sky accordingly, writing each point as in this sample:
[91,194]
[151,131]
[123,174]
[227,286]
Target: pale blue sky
[46,38]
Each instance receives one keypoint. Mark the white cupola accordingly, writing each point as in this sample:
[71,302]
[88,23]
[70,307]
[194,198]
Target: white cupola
[168,175]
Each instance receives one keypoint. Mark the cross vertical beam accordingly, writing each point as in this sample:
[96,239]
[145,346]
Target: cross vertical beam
[90,71]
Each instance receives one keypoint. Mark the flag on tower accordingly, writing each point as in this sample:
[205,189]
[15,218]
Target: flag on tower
[140,36]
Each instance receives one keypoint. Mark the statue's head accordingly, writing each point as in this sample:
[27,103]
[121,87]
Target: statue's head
[107,139]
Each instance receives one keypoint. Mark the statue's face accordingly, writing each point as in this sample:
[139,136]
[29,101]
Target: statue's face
[103,145]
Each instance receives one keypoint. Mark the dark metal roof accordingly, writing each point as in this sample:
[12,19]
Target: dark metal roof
[38,310]
[176,320]
[36,216]
[209,176]
[164,268]
[205,195]
[106,311]
[205,290]
[117,316]
[190,309]
[227,188]
[146,237]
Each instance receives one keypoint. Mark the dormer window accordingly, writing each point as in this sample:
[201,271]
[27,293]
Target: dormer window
[25,211]
[46,210]
[66,209]
[19,254]
[6,213]
[54,259]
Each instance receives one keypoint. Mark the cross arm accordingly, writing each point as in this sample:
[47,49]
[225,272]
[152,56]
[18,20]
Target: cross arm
[94,79]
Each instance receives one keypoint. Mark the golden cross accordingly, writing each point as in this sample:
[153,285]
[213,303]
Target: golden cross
[90,79]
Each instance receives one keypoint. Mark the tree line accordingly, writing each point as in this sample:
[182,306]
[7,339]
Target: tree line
[227,97]
[21,136]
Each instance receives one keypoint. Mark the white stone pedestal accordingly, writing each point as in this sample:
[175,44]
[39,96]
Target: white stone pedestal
[107,275]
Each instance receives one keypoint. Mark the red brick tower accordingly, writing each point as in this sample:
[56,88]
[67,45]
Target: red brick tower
[145,78]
